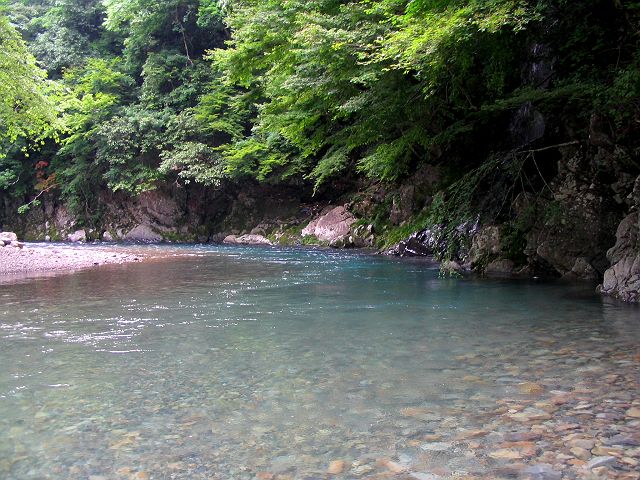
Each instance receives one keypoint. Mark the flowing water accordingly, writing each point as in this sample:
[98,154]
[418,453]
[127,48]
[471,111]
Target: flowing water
[242,363]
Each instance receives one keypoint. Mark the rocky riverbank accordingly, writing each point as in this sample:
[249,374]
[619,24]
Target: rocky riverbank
[16,258]
[582,224]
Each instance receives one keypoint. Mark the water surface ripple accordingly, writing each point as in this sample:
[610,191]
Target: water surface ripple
[243,363]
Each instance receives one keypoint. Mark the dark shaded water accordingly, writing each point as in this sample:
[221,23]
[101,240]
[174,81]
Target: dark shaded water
[233,361]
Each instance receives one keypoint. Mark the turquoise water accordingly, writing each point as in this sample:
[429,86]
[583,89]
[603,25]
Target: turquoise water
[242,362]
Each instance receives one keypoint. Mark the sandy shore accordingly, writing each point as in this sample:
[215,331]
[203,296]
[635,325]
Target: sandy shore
[35,258]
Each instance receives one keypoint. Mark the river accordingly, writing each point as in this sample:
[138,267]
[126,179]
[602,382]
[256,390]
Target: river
[243,363]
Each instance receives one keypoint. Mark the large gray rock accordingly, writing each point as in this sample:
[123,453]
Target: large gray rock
[362,236]
[627,238]
[622,280]
[8,237]
[332,226]
[250,239]
[77,236]
[583,270]
[486,245]
[142,233]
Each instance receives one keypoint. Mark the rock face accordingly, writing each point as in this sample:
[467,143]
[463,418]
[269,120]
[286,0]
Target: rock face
[487,252]
[333,226]
[439,240]
[576,226]
[486,244]
[622,280]
[172,213]
[414,194]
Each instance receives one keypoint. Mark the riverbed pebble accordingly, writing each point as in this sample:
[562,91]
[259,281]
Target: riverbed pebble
[24,260]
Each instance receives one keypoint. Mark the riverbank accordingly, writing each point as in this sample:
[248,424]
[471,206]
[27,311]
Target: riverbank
[60,258]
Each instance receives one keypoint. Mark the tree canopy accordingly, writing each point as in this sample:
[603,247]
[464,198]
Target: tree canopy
[25,109]
[214,91]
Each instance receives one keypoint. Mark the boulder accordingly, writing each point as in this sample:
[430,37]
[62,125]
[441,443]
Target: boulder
[486,245]
[622,280]
[332,226]
[142,233]
[413,247]
[627,238]
[8,237]
[77,236]
[246,240]
[438,240]
[451,267]
[107,237]
[582,269]
[362,236]
[423,243]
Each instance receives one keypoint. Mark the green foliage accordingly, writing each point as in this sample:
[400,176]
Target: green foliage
[209,14]
[129,73]
[194,160]
[25,111]
[151,26]
[128,145]
[359,85]
[69,33]
[92,98]
[311,91]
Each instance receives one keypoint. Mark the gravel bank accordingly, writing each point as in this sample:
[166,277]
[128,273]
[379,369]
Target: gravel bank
[34,258]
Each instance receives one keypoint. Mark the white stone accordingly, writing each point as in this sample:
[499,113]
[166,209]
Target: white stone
[143,233]
[77,236]
[8,237]
[334,225]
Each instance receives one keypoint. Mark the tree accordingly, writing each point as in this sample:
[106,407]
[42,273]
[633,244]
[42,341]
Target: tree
[25,110]
[364,85]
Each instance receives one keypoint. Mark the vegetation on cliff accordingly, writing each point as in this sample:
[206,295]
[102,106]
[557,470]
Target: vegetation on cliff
[143,93]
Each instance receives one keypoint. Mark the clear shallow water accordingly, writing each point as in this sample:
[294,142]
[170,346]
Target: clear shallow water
[244,362]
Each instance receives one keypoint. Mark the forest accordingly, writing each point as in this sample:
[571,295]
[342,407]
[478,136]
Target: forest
[128,95]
